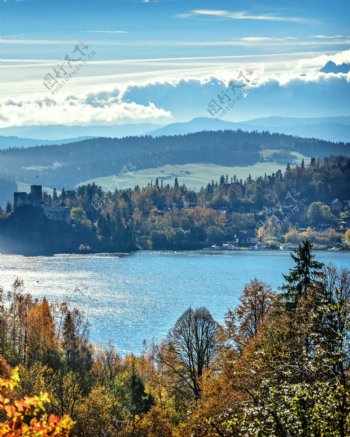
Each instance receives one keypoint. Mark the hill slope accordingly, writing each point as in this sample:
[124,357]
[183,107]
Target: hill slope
[69,164]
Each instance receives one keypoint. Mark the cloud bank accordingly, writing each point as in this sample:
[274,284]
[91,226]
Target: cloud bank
[74,110]
[302,92]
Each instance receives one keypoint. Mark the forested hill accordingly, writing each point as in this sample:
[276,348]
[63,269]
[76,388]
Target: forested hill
[68,164]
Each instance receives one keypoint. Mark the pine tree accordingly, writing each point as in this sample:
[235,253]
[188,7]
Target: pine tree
[75,345]
[54,195]
[304,275]
[8,209]
[70,342]
[139,402]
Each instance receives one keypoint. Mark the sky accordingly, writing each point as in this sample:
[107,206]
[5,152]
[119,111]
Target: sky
[160,61]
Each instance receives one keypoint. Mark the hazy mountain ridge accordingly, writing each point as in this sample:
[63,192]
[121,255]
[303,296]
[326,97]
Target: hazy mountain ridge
[325,128]
[329,129]
[57,134]
[69,164]
[332,67]
[8,142]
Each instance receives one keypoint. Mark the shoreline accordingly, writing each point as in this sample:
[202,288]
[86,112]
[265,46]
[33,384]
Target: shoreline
[208,250]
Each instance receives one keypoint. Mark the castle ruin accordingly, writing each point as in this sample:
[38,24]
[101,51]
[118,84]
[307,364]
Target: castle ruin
[35,199]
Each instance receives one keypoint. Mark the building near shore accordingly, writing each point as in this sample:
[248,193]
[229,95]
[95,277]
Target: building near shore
[35,199]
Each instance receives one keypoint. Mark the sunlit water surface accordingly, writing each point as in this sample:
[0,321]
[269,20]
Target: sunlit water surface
[139,297]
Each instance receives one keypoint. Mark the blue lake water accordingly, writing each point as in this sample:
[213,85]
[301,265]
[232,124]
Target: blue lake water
[139,297]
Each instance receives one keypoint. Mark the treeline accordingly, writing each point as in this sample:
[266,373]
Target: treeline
[69,164]
[278,366]
[282,208]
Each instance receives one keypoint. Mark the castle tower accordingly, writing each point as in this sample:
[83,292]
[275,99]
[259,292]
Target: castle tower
[36,194]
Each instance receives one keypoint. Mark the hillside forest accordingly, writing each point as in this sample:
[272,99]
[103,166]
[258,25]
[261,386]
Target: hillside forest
[269,212]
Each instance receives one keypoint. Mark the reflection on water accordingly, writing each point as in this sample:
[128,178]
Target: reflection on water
[133,298]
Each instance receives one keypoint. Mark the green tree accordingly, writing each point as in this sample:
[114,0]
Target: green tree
[8,209]
[77,354]
[302,276]
[138,401]
[318,212]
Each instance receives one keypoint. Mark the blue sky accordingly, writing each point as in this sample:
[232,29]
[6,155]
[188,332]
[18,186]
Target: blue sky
[161,28]
[144,47]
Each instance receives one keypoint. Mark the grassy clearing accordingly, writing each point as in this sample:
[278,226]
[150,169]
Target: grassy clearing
[193,175]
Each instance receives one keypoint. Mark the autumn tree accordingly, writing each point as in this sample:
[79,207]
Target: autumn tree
[107,365]
[155,423]
[347,237]
[41,337]
[244,322]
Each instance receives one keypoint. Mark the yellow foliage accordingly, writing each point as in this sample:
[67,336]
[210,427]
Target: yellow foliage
[347,236]
[154,423]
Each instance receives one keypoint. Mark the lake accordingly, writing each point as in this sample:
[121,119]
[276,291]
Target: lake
[129,299]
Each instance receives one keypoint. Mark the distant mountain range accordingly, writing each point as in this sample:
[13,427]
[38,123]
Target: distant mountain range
[331,67]
[8,142]
[28,136]
[329,129]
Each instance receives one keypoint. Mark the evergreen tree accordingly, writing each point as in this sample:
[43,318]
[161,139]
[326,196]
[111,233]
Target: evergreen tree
[70,342]
[139,402]
[54,195]
[78,356]
[305,274]
[8,209]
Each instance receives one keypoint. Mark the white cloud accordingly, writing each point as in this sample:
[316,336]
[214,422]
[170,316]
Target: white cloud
[239,15]
[263,39]
[181,89]
[328,36]
[256,39]
[318,62]
[311,95]
[107,31]
[37,41]
[74,110]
